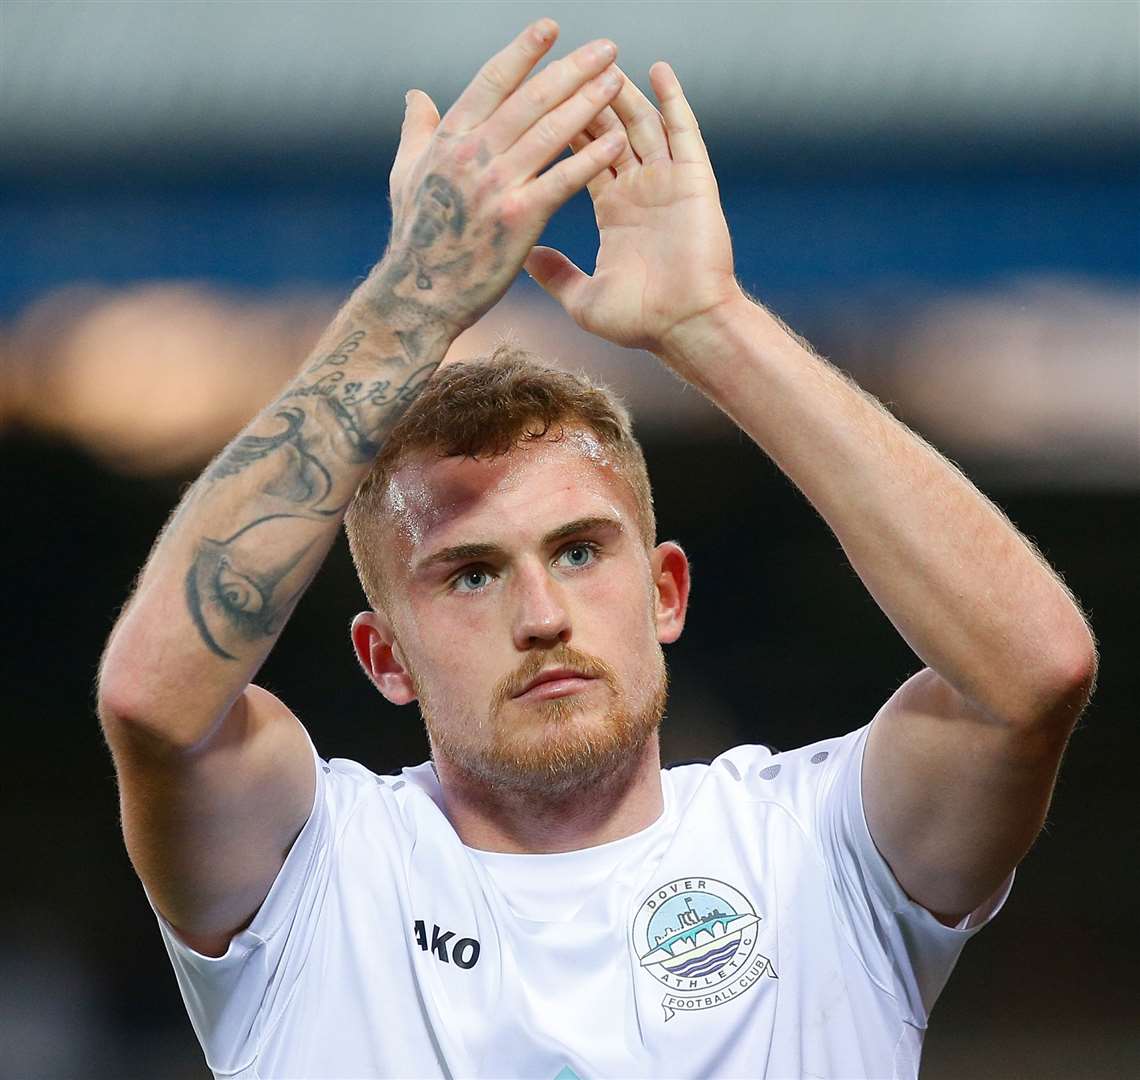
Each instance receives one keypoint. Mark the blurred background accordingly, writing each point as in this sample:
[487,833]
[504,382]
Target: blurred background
[942,197]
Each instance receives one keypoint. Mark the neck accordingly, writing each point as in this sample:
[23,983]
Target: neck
[494,819]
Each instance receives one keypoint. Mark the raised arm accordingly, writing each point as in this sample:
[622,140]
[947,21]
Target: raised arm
[215,775]
[961,761]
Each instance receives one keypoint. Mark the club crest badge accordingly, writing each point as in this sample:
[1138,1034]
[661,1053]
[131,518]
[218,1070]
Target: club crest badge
[697,936]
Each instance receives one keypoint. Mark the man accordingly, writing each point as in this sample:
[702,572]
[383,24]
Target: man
[542,899]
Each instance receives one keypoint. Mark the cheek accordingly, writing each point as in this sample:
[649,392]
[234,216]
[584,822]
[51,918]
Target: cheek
[619,606]
[455,645]
[463,634]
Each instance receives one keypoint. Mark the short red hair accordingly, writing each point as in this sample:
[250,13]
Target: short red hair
[484,408]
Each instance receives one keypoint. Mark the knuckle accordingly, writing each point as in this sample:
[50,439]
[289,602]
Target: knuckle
[603,124]
[546,133]
[558,185]
[558,192]
[466,150]
[491,76]
[601,89]
[512,208]
[535,97]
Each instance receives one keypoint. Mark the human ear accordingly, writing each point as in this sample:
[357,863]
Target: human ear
[671,590]
[378,652]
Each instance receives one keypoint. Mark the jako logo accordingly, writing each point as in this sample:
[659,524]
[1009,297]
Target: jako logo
[465,952]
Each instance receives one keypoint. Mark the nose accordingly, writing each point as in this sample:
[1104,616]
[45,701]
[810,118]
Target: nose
[540,613]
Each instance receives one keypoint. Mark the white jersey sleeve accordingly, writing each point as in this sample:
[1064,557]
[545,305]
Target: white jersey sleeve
[235,1000]
[894,936]
[901,945]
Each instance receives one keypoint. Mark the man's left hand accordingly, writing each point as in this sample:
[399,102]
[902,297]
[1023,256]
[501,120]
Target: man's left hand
[664,258]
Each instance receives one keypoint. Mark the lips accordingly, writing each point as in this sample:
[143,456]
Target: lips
[555,682]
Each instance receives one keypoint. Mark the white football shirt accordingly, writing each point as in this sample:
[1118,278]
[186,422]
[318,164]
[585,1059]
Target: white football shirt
[753,931]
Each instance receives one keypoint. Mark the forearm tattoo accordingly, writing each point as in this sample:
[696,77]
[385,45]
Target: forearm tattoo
[333,418]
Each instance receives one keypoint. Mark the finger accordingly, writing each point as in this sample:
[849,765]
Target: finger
[500,76]
[643,123]
[606,121]
[557,275]
[421,118]
[547,90]
[681,127]
[549,135]
[569,176]
[594,187]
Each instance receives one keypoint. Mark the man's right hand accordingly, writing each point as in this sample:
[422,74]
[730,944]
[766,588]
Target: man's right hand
[216,775]
[469,198]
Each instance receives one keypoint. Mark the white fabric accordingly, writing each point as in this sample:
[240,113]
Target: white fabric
[818,965]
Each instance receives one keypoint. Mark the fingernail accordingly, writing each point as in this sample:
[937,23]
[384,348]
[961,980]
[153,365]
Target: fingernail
[605,50]
[407,99]
[610,80]
[543,31]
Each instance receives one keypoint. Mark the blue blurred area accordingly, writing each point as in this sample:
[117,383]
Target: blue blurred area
[799,237]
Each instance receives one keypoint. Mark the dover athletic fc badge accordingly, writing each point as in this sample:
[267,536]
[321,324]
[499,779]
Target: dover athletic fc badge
[697,936]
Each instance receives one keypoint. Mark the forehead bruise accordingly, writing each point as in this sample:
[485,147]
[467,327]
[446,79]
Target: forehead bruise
[423,495]
[426,494]
[408,503]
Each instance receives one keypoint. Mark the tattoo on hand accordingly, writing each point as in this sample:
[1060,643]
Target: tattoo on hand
[439,207]
[426,249]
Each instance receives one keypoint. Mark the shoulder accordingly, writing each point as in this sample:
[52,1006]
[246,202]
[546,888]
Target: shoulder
[349,787]
[796,778]
[349,774]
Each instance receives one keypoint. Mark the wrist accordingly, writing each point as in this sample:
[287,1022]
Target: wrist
[717,351]
[390,297]
[696,340]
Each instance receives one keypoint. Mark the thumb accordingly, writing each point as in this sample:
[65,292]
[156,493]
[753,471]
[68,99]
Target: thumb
[557,275]
[421,118]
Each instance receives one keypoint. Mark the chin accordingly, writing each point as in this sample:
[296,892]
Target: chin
[560,709]
[574,748]
[560,767]
[559,747]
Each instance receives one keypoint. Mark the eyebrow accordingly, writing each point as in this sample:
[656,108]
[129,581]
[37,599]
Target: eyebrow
[467,552]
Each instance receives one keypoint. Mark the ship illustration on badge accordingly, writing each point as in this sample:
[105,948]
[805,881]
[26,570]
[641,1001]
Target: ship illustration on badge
[697,936]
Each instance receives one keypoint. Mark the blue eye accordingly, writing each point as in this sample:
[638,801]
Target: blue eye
[471,580]
[580,554]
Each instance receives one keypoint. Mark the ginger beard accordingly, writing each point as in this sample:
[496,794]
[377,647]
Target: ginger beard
[552,748]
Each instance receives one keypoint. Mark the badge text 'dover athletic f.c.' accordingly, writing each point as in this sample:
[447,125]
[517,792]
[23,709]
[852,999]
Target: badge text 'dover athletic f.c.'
[697,936]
